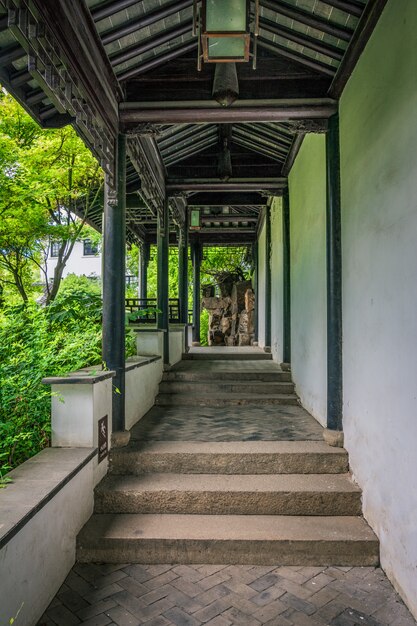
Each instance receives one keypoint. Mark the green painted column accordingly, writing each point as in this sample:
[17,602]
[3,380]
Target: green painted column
[183,271]
[196,256]
[114,270]
[268,277]
[163,275]
[286,247]
[334,279]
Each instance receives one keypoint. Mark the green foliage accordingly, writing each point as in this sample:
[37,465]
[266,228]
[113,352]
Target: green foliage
[44,176]
[204,324]
[37,342]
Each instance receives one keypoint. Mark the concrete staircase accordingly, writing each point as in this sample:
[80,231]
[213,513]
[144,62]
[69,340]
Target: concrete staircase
[254,502]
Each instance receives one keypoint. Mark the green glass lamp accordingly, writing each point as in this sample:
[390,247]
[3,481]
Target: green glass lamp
[225,32]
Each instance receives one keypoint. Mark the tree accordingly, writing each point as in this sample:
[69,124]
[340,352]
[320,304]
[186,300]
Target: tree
[48,179]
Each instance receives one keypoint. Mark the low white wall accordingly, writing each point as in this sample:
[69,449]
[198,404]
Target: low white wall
[141,388]
[35,561]
[176,344]
[307,185]
[277,286]
[261,288]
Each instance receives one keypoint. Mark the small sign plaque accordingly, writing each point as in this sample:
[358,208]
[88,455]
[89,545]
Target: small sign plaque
[103,438]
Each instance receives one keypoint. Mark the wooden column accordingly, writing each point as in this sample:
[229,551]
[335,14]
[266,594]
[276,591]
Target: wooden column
[334,281]
[268,278]
[144,256]
[286,248]
[163,276]
[114,262]
[196,256]
[183,271]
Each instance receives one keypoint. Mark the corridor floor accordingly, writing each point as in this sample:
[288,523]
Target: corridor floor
[222,595]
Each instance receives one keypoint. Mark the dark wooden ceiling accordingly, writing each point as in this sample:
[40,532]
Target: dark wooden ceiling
[131,65]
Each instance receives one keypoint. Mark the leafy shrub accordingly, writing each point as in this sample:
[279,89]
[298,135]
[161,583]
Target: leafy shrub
[37,342]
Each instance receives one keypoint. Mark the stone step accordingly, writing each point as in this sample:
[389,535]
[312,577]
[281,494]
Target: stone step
[213,494]
[231,457]
[224,399]
[226,356]
[221,375]
[229,539]
[219,387]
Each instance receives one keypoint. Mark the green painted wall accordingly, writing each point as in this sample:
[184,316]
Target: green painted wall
[308,274]
[261,287]
[378,116]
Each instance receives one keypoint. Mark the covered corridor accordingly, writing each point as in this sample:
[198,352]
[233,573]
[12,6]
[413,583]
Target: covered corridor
[303,150]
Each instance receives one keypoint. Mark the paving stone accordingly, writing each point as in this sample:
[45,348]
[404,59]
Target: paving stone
[237,617]
[265,581]
[266,613]
[98,620]
[96,609]
[214,579]
[212,610]
[350,617]
[219,621]
[121,617]
[213,594]
[158,621]
[62,616]
[180,618]
[72,600]
[94,596]
[298,603]
[108,579]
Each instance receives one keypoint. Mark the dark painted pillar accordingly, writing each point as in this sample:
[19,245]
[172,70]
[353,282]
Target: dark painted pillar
[256,287]
[183,272]
[268,277]
[114,261]
[334,279]
[163,275]
[286,356]
[143,270]
[196,256]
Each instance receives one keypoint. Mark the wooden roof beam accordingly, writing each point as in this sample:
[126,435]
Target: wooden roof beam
[158,60]
[148,44]
[148,19]
[308,19]
[131,113]
[303,40]
[214,185]
[279,50]
[236,199]
[348,6]
[109,8]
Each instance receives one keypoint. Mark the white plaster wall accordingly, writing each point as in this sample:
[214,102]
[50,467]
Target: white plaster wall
[261,288]
[35,562]
[150,343]
[379,229]
[307,184]
[176,345]
[277,287]
[77,263]
[141,388]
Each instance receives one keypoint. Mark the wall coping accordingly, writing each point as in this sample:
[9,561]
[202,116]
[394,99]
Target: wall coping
[85,376]
[35,483]
[139,361]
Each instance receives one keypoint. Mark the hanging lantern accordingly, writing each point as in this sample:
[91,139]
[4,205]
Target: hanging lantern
[225,30]
[195,221]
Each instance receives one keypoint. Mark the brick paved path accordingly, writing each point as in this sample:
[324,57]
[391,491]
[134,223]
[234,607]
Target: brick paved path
[219,595]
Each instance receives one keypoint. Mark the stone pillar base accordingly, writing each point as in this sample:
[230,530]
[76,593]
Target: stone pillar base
[334,438]
[120,438]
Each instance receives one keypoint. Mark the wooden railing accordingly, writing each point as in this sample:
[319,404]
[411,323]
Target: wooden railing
[144,304]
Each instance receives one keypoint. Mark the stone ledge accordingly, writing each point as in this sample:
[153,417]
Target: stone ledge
[139,361]
[35,483]
[86,376]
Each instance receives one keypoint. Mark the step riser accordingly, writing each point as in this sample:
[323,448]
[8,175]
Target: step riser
[144,463]
[213,388]
[274,377]
[189,400]
[229,552]
[219,503]
[256,356]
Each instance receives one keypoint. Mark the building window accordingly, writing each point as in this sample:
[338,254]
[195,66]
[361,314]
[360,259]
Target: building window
[90,248]
[55,245]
